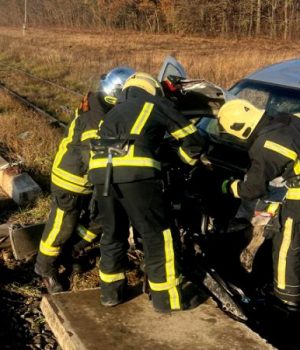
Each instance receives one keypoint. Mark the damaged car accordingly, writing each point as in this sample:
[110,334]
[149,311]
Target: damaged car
[227,235]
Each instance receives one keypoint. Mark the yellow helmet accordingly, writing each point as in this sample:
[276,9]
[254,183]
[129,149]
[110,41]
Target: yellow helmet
[239,118]
[146,82]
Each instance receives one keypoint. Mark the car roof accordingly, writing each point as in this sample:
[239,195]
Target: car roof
[286,73]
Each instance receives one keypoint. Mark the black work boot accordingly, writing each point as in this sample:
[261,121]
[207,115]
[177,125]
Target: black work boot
[189,294]
[112,294]
[191,297]
[51,281]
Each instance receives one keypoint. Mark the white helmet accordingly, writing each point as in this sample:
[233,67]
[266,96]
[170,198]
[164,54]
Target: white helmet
[111,84]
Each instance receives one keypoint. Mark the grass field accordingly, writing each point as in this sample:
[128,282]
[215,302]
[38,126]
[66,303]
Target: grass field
[76,59]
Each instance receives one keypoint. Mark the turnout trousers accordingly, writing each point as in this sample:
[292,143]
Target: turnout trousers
[65,218]
[286,252]
[142,203]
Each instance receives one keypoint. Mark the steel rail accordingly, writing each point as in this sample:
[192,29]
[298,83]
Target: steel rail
[77,93]
[52,120]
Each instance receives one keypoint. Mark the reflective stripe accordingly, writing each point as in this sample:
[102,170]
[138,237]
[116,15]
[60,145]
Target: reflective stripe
[85,234]
[65,175]
[171,280]
[159,287]
[293,194]
[46,246]
[112,277]
[64,143]
[169,254]
[142,118]
[234,188]
[48,250]
[186,158]
[181,133]
[128,160]
[286,242]
[297,167]
[174,298]
[69,186]
[272,208]
[281,150]
[90,134]
[59,216]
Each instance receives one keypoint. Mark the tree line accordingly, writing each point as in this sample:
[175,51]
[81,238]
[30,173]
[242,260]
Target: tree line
[238,18]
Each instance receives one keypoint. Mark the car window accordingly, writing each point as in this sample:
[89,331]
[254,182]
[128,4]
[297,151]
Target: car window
[274,99]
[259,97]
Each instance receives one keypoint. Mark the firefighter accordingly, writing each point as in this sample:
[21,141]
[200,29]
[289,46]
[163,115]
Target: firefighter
[71,191]
[274,152]
[139,123]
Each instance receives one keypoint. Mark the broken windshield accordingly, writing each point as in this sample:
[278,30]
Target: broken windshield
[275,99]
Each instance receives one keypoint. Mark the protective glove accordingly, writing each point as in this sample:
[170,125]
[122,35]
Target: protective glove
[225,187]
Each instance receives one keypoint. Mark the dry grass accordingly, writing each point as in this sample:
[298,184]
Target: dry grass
[28,137]
[76,59]
[36,212]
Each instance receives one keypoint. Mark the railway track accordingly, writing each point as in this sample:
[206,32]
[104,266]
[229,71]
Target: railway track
[30,104]
[52,120]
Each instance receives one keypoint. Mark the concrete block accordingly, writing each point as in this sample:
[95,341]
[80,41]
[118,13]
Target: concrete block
[20,187]
[25,240]
[79,322]
[25,189]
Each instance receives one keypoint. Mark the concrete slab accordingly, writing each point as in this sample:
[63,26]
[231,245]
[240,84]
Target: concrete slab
[79,322]
[25,240]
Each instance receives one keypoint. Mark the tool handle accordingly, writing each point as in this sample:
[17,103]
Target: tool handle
[109,166]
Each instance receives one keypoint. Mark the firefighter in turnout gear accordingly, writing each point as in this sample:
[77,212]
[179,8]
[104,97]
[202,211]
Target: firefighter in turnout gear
[138,125]
[274,152]
[71,191]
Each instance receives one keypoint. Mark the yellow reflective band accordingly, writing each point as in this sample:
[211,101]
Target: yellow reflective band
[169,254]
[65,175]
[63,147]
[136,161]
[286,152]
[59,216]
[286,242]
[297,167]
[272,208]
[69,186]
[128,160]
[234,188]
[174,299]
[181,133]
[110,100]
[90,134]
[172,282]
[85,234]
[160,287]
[112,277]
[293,194]
[48,250]
[170,269]
[186,158]
[142,119]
